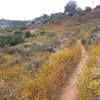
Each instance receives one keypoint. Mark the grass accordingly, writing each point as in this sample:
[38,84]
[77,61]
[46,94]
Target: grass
[18,83]
[89,83]
[53,73]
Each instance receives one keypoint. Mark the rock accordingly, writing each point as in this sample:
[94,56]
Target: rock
[95,37]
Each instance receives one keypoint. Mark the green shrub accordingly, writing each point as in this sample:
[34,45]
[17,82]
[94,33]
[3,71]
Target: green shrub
[49,34]
[28,34]
[11,40]
[18,32]
[86,41]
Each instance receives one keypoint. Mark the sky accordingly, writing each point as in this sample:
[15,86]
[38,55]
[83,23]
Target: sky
[29,9]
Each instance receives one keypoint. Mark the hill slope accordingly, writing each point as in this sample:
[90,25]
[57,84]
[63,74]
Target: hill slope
[37,62]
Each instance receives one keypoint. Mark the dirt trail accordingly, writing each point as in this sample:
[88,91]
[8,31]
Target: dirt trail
[71,91]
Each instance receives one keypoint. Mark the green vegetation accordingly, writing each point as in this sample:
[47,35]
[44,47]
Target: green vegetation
[49,34]
[70,8]
[11,40]
[27,34]
[88,9]
[18,32]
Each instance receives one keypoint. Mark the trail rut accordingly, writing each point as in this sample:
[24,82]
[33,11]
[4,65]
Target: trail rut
[71,91]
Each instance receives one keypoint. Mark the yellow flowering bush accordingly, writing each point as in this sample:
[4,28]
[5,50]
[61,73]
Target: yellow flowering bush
[6,58]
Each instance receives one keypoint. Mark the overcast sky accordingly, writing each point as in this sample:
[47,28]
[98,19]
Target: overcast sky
[29,9]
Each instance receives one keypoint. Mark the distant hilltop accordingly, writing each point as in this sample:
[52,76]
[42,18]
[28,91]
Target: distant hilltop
[12,23]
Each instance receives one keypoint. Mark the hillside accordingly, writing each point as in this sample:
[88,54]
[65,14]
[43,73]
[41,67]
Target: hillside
[51,56]
[12,23]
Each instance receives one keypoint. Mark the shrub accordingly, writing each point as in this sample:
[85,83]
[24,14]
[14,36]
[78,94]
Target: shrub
[88,9]
[49,34]
[37,59]
[86,41]
[11,40]
[37,47]
[27,34]
[80,11]
[6,58]
[18,32]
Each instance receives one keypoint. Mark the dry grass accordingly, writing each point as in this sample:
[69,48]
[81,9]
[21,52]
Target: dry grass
[89,83]
[53,73]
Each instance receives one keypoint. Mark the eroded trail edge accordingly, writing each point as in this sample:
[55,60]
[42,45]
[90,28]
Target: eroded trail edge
[71,90]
